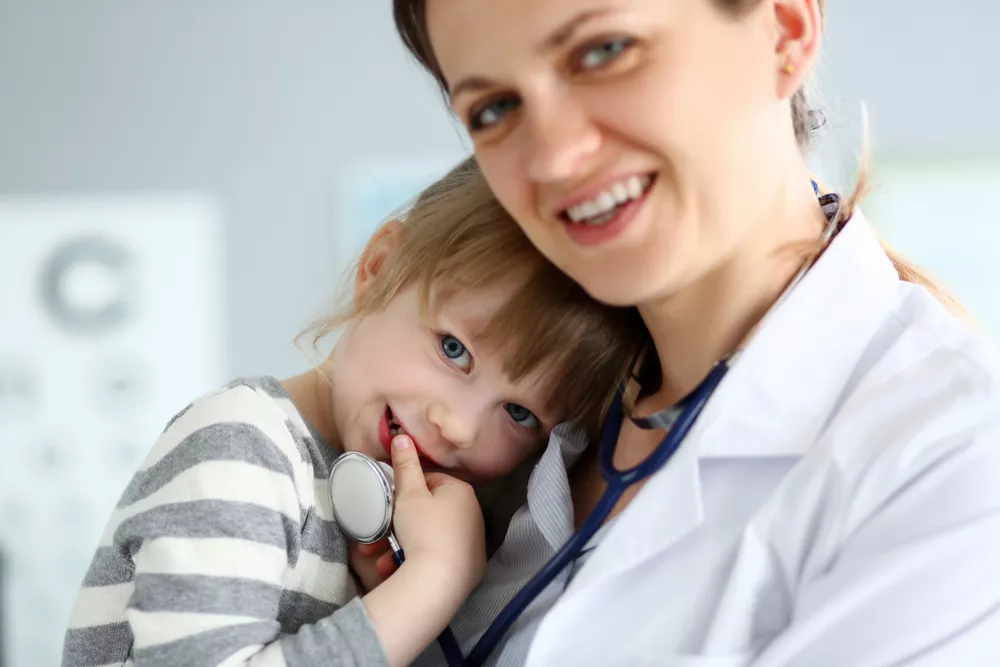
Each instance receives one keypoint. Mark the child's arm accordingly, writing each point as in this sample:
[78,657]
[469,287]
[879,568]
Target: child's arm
[440,526]
[212,525]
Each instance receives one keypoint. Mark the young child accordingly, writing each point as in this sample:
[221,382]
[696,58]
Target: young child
[461,351]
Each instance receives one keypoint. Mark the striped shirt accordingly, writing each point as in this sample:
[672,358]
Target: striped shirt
[223,549]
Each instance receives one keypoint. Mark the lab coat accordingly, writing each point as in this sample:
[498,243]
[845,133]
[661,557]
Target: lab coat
[836,505]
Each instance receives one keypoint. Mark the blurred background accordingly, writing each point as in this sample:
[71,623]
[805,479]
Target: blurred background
[183,184]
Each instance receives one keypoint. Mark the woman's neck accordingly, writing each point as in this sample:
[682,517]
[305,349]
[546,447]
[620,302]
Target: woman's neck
[696,327]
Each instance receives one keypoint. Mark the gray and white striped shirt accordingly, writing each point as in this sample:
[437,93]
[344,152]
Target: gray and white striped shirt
[223,549]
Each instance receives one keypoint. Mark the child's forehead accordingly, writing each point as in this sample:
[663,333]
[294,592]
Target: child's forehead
[472,306]
[476,306]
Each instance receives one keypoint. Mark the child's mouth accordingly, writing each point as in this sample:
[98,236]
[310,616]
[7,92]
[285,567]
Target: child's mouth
[390,427]
[395,428]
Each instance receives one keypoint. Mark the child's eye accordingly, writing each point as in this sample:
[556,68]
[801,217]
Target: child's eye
[522,415]
[600,55]
[455,351]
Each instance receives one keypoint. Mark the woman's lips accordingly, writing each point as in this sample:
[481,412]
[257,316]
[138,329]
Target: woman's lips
[594,234]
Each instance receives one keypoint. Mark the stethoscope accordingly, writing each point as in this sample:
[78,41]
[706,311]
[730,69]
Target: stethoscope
[370,520]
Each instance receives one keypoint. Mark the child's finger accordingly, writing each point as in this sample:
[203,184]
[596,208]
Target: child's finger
[409,476]
[368,550]
[385,565]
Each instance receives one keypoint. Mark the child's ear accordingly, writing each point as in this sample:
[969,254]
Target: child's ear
[382,244]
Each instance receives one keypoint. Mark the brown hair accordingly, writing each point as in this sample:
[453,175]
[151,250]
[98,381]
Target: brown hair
[411,24]
[456,237]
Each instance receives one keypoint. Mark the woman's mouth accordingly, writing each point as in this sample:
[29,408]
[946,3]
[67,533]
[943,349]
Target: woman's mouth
[605,213]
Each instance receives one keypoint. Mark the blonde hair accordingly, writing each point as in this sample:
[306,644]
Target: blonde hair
[411,24]
[457,236]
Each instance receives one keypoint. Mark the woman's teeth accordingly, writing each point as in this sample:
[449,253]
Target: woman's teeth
[597,211]
[395,429]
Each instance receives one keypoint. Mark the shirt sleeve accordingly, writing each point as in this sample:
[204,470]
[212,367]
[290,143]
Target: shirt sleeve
[212,525]
[918,581]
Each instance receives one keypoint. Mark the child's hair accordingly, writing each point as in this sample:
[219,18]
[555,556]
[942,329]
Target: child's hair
[457,236]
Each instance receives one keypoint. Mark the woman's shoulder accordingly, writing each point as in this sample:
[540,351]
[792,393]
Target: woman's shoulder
[924,401]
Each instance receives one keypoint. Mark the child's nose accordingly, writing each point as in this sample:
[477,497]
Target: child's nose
[456,426]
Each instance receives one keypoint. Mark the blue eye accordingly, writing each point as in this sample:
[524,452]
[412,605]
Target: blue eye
[491,113]
[455,351]
[599,55]
[521,415]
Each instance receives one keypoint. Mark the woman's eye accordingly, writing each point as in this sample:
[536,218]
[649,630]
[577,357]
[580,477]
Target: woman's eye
[491,113]
[455,351]
[600,55]
[521,415]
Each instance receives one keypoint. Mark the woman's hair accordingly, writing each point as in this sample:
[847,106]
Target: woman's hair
[456,237]
[411,23]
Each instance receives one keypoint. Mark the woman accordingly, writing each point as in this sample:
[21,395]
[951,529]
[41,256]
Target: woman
[837,502]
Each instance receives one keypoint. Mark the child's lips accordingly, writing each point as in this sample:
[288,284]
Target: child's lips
[386,437]
[384,434]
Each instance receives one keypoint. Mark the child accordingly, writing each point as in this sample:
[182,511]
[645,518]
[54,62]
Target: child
[462,350]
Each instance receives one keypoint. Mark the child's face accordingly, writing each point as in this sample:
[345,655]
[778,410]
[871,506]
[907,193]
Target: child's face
[391,369]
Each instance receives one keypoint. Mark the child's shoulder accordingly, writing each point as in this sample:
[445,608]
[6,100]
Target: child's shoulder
[243,400]
[245,415]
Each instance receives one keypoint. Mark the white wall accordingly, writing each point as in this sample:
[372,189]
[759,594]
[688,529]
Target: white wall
[261,103]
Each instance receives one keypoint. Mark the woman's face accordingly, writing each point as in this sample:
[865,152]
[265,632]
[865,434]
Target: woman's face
[627,137]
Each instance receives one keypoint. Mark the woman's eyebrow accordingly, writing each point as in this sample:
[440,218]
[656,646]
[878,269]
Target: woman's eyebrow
[471,84]
[555,39]
[564,33]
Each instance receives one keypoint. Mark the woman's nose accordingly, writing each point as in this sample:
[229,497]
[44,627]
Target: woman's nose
[560,138]
[456,426]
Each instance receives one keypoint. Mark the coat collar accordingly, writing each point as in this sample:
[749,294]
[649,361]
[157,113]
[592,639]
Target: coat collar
[775,400]
[786,383]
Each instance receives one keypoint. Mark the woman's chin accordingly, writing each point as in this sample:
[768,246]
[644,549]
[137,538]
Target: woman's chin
[623,287]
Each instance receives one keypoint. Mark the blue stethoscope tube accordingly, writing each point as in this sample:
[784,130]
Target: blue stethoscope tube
[618,481]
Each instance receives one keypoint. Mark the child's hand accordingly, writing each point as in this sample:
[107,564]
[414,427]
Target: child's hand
[440,527]
[439,524]
[372,563]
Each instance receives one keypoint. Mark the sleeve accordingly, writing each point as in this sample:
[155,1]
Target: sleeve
[212,524]
[918,581]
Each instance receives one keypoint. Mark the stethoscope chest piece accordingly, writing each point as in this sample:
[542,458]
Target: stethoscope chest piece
[362,496]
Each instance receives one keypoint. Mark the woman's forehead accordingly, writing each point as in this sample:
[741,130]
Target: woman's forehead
[474,38]
[464,32]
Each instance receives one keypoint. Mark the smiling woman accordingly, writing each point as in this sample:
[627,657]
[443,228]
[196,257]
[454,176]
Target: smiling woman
[603,57]
[653,150]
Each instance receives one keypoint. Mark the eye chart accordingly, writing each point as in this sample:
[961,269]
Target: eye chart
[111,312]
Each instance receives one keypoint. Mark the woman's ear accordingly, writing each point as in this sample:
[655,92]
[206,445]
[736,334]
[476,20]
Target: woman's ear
[381,246]
[799,31]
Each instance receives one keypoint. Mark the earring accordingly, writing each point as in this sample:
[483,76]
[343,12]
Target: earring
[789,68]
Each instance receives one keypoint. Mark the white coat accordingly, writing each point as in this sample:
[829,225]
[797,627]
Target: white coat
[837,504]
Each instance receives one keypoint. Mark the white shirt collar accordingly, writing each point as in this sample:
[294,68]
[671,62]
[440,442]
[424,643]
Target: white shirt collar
[785,385]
